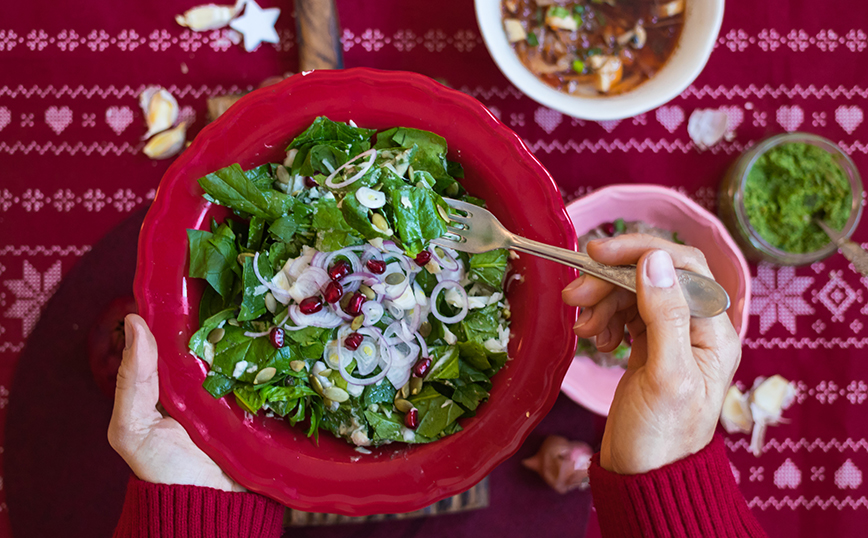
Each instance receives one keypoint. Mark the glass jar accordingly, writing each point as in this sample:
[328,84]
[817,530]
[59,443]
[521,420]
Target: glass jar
[732,211]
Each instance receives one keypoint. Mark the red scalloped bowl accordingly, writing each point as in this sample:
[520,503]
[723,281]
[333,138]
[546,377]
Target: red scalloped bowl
[267,455]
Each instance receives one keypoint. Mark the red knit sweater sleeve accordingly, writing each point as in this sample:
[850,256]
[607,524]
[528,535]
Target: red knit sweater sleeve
[695,496]
[172,511]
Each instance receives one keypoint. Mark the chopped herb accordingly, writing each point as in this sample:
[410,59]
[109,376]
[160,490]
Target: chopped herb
[578,66]
[532,39]
[621,226]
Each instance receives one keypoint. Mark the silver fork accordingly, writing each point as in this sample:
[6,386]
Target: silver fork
[482,232]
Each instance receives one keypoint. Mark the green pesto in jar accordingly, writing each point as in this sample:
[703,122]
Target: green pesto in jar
[790,185]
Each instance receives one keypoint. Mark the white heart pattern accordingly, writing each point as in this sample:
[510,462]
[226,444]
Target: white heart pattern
[670,117]
[848,476]
[788,475]
[58,118]
[5,117]
[790,117]
[548,119]
[734,117]
[609,125]
[849,117]
[187,114]
[118,118]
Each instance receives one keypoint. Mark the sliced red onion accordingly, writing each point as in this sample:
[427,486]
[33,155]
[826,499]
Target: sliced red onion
[384,369]
[415,319]
[373,312]
[340,312]
[366,364]
[370,198]
[447,262]
[396,311]
[309,283]
[422,345]
[371,253]
[279,293]
[440,287]
[325,318]
[317,259]
[298,266]
[362,170]
[348,253]
[399,374]
[361,276]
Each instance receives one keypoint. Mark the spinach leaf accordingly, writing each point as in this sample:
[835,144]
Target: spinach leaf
[237,351]
[480,325]
[444,362]
[197,341]
[417,220]
[274,393]
[391,429]
[435,411]
[211,303]
[249,398]
[284,228]
[430,155]
[323,128]
[325,158]
[356,216]
[470,396]
[261,176]
[232,188]
[254,234]
[379,393]
[213,257]
[253,291]
[218,385]
[475,354]
[333,232]
[489,268]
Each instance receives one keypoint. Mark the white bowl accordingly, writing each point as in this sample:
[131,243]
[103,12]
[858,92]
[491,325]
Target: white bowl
[702,20]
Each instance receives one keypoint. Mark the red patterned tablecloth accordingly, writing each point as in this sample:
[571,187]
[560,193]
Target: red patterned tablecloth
[71,168]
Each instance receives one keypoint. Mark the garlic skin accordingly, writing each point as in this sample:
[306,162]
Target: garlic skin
[209,16]
[167,144]
[160,108]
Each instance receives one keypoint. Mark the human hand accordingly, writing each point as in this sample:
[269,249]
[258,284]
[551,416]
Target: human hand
[668,402]
[156,448]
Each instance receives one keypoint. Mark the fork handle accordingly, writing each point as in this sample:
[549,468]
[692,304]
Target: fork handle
[705,297]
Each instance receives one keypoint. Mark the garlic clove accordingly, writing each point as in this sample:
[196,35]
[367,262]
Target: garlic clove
[167,144]
[209,16]
[735,415]
[770,397]
[707,127]
[160,108]
[514,30]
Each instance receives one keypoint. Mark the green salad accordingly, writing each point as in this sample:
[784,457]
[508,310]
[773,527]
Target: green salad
[326,302]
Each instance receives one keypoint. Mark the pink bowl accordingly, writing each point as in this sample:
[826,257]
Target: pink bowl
[593,386]
[267,455]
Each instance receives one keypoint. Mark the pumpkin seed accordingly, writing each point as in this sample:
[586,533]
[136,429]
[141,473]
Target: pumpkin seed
[297,366]
[270,302]
[216,335]
[415,385]
[283,175]
[357,322]
[233,322]
[405,390]
[380,222]
[394,278]
[265,375]
[240,258]
[443,214]
[425,329]
[325,373]
[367,292]
[336,394]
[317,386]
[403,405]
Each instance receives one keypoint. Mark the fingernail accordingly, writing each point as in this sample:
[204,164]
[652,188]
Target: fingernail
[603,338]
[129,333]
[601,240]
[575,284]
[659,269]
[584,317]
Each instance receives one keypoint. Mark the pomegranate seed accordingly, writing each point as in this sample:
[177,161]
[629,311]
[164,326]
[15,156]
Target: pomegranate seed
[378,267]
[423,258]
[333,292]
[411,419]
[421,367]
[608,228]
[353,341]
[354,307]
[309,182]
[276,337]
[339,270]
[311,305]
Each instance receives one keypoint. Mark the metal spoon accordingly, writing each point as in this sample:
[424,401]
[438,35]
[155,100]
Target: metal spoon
[850,249]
